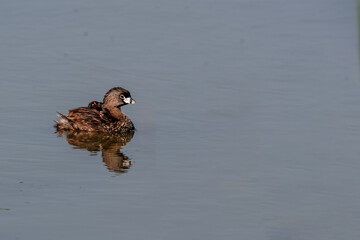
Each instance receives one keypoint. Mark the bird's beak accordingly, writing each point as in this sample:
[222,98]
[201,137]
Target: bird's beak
[129,100]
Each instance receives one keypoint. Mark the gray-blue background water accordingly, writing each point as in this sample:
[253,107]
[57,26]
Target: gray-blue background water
[247,116]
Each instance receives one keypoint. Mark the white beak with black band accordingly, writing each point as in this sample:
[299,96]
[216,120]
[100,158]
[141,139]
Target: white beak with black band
[129,100]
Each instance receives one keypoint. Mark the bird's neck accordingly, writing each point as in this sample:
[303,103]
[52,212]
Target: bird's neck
[114,112]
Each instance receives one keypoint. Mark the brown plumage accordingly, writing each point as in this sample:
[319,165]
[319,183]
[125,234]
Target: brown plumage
[100,117]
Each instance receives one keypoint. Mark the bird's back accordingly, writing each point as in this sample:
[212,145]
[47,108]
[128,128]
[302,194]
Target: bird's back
[82,119]
[92,120]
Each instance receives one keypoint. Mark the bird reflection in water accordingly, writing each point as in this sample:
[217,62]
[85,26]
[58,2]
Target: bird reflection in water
[108,144]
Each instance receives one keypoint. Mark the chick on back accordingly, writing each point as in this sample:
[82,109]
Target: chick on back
[100,117]
[95,105]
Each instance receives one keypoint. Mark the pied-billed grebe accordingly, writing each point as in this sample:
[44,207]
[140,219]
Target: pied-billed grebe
[100,117]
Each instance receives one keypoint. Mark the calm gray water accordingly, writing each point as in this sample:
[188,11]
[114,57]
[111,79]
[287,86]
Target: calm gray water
[247,116]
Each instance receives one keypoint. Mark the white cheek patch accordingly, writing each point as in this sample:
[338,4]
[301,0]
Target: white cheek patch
[127,100]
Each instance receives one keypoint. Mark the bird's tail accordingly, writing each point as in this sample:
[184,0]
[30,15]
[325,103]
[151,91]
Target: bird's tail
[64,123]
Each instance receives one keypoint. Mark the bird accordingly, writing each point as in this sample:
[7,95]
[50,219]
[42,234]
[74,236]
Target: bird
[95,105]
[103,116]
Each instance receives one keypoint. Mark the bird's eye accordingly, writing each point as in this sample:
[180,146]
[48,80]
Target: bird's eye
[122,97]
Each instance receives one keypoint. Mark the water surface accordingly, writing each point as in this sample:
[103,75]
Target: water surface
[247,116]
